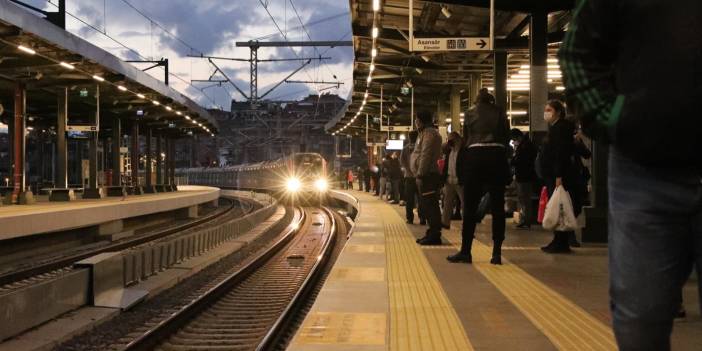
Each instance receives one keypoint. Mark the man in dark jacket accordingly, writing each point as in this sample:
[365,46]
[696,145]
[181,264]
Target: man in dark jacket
[640,89]
[426,169]
[523,161]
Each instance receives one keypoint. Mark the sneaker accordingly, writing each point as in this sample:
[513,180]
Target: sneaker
[524,226]
[574,243]
[460,258]
[423,222]
[497,260]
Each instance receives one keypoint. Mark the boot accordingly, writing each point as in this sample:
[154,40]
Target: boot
[464,255]
[496,252]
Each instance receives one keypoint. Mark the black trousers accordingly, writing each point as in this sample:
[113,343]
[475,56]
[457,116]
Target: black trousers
[429,202]
[411,196]
[485,171]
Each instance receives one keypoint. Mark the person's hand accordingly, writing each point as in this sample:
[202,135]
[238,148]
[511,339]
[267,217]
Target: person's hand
[559,182]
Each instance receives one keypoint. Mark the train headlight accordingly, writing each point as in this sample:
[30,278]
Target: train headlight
[293,185]
[321,184]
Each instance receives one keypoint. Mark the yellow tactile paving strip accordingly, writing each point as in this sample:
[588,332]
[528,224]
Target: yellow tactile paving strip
[421,315]
[563,322]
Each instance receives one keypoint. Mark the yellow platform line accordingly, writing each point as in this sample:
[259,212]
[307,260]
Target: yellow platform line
[564,323]
[421,315]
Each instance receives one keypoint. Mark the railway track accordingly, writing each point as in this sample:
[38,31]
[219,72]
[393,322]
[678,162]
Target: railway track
[53,266]
[247,308]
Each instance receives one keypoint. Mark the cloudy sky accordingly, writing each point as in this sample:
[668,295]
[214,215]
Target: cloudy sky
[211,27]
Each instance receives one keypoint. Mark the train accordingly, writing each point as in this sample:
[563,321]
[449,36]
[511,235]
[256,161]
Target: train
[299,176]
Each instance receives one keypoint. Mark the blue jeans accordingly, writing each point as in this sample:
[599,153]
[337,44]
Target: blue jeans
[655,237]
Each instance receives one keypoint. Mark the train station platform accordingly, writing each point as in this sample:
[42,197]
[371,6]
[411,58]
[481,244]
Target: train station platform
[44,216]
[388,293]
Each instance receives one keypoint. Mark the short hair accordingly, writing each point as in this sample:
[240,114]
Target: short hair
[413,136]
[516,133]
[558,106]
[426,117]
[454,134]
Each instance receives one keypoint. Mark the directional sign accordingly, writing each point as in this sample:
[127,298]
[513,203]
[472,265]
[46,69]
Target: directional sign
[396,128]
[451,44]
[81,128]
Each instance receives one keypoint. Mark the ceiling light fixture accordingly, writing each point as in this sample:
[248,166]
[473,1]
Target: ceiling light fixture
[445,11]
[26,49]
[67,65]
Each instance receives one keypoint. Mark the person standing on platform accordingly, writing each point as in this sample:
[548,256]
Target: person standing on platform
[523,162]
[376,178]
[558,167]
[452,187]
[395,178]
[411,193]
[367,174]
[484,168]
[424,165]
[349,179]
[642,97]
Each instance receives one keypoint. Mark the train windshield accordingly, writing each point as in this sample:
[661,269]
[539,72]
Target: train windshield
[309,166]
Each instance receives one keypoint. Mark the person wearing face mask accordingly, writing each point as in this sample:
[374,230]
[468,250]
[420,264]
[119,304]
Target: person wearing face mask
[558,167]
[484,168]
[449,175]
[426,170]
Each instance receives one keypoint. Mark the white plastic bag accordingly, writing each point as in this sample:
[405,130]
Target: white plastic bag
[559,213]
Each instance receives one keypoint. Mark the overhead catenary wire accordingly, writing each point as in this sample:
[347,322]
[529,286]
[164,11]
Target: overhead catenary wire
[137,53]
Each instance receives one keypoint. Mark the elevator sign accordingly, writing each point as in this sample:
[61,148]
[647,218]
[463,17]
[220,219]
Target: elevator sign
[451,44]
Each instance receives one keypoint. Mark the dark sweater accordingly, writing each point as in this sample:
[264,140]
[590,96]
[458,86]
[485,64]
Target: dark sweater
[524,161]
[559,150]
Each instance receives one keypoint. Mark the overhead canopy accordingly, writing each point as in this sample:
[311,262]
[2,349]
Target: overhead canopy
[432,74]
[47,58]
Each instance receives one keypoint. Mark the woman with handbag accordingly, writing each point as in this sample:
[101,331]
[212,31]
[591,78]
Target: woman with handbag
[558,168]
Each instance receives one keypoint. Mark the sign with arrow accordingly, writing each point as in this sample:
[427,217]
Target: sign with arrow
[451,44]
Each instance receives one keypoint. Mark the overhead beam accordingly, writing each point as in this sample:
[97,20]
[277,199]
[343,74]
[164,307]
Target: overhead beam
[264,44]
[514,5]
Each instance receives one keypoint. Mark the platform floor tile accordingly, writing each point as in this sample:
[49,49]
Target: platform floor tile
[421,315]
[564,323]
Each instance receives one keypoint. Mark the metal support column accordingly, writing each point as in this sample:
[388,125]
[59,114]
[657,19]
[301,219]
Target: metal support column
[170,164]
[254,75]
[159,160]
[473,88]
[596,225]
[538,84]
[20,194]
[455,108]
[61,144]
[136,187]
[93,190]
[149,159]
[116,152]
[500,74]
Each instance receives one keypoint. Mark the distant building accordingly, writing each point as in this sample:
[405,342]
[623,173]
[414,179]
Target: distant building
[276,129]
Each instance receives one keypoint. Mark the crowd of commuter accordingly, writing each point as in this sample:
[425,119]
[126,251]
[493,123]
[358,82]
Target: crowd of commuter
[654,177]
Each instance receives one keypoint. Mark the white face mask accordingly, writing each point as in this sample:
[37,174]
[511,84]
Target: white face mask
[548,116]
